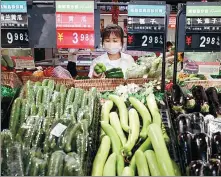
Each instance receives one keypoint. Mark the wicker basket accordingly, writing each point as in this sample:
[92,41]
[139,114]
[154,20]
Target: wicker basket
[106,84]
[67,82]
[10,79]
[205,83]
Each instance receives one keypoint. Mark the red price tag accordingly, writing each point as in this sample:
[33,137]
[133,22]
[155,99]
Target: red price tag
[75,20]
[75,39]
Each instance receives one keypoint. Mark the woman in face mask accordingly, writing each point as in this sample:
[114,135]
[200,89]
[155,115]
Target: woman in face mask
[112,41]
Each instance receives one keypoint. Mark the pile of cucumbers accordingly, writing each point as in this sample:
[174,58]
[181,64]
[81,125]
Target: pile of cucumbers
[54,126]
[133,140]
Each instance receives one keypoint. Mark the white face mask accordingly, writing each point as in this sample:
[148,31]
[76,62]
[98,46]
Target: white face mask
[112,48]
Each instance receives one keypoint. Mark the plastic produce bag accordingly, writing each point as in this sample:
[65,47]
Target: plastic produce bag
[14,160]
[136,71]
[60,72]
[72,164]
[156,68]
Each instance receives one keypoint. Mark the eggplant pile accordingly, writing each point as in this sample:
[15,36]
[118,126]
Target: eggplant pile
[196,100]
[199,139]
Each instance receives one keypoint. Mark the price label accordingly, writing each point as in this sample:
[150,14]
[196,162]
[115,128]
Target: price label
[75,39]
[14,38]
[145,42]
[202,42]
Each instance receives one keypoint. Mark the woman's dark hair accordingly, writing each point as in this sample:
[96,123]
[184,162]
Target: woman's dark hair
[169,44]
[116,30]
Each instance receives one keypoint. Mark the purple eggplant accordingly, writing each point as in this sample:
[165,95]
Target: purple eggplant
[196,168]
[215,106]
[216,143]
[185,143]
[183,123]
[201,99]
[197,123]
[200,147]
[212,168]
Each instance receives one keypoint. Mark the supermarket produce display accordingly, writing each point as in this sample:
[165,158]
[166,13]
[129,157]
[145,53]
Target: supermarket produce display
[52,131]
[196,118]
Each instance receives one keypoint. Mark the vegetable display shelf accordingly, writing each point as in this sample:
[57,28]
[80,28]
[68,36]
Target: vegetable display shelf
[195,117]
[205,83]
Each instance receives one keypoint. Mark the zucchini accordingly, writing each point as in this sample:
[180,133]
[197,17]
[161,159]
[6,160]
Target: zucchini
[176,169]
[101,157]
[134,132]
[8,60]
[152,163]
[15,116]
[55,167]
[115,140]
[110,165]
[127,172]
[122,110]
[161,151]
[152,105]
[105,111]
[142,110]
[115,123]
[120,164]
[141,163]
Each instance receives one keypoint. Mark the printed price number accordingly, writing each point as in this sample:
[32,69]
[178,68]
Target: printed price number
[11,37]
[202,42]
[151,40]
[209,41]
[82,37]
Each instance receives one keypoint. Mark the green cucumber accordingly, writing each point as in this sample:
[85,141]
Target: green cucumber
[122,110]
[134,132]
[57,87]
[146,117]
[33,110]
[63,89]
[39,96]
[161,151]
[69,137]
[58,111]
[51,110]
[115,123]
[63,100]
[176,169]
[8,60]
[15,116]
[141,164]
[115,140]
[41,111]
[37,84]
[55,167]
[70,97]
[101,157]
[23,111]
[152,163]
[51,85]
[84,100]
[110,165]
[45,82]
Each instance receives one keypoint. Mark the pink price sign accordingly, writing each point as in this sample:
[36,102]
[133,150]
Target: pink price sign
[75,20]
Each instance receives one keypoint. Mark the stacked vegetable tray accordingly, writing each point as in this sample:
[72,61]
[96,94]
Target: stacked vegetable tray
[134,139]
[196,117]
[53,131]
